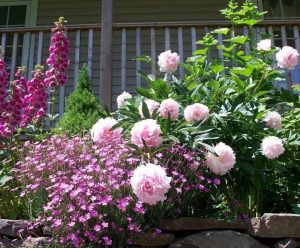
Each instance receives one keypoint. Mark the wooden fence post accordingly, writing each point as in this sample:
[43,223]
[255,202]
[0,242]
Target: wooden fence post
[106,53]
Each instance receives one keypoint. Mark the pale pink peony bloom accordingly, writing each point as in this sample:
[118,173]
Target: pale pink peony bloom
[150,183]
[223,162]
[151,105]
[273,120]
[101,130]
[147,130]
[168,62]
[272,147]
[264,45]
[287,57]
[121,99]
[169,107]
[196,112]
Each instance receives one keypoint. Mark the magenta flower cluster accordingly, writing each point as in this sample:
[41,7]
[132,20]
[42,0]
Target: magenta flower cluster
[21,102]
[58,60]
[86,203]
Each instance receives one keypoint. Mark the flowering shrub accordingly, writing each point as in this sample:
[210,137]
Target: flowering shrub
[23,106]
[58,60]
[87,188]
[230,102]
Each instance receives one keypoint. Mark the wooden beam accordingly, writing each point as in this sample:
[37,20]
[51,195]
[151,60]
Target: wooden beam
[106,53]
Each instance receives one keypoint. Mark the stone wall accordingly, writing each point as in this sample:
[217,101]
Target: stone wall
[270,230]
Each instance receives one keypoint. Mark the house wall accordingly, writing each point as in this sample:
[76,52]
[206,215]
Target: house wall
[89,11]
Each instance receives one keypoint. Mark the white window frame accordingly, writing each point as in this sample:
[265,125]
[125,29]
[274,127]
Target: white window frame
[31,10]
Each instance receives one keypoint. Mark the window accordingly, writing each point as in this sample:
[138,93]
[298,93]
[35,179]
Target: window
[281,9]
[18,13]
[14,14]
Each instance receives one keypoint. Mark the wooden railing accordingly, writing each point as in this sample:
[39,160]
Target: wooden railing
[29,46]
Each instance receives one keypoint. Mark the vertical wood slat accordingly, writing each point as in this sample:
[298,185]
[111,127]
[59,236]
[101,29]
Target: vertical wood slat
[257,34]
[105,89]
[271,34]
[270,31]
[220,51]
[25,50]
[14,56]
[297,46]
[297,38]
[180,50]
[40,48]
[3,41]
[90,52]
[193,38]
[138,54]
[77,56]
[61,106]
[153,50]
[284,43]
[283,35]
[49,95]
[123,60]
[167,39]
[247,45]
[206,30]
[31,56]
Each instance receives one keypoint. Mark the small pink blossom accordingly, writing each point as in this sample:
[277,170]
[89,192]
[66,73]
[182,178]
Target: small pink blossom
[150,183]
[168,62]
[121,99]
[196,112]
[169,107]
[272,147]
[147,130]
[151,105]
[264,45]
[273,120]
[101,130]
[223,162]
[287,57]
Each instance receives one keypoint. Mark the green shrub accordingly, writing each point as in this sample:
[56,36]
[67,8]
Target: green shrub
[82,107]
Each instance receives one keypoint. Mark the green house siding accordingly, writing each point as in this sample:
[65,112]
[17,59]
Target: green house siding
[128,11]
[89,11]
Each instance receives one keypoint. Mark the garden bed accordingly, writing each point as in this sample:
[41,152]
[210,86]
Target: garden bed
[222,142]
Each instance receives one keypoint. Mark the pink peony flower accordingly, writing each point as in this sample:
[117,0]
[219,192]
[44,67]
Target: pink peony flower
[151,105]
[264,45]
[168,62]
[147,130]
[273,120]
[272,147]
[287,57]
[169,107]
[101,130]
[196,112]
[121,99]
[150,183]
[223,162]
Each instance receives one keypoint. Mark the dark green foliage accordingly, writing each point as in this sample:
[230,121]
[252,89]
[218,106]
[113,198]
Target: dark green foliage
[82,107]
